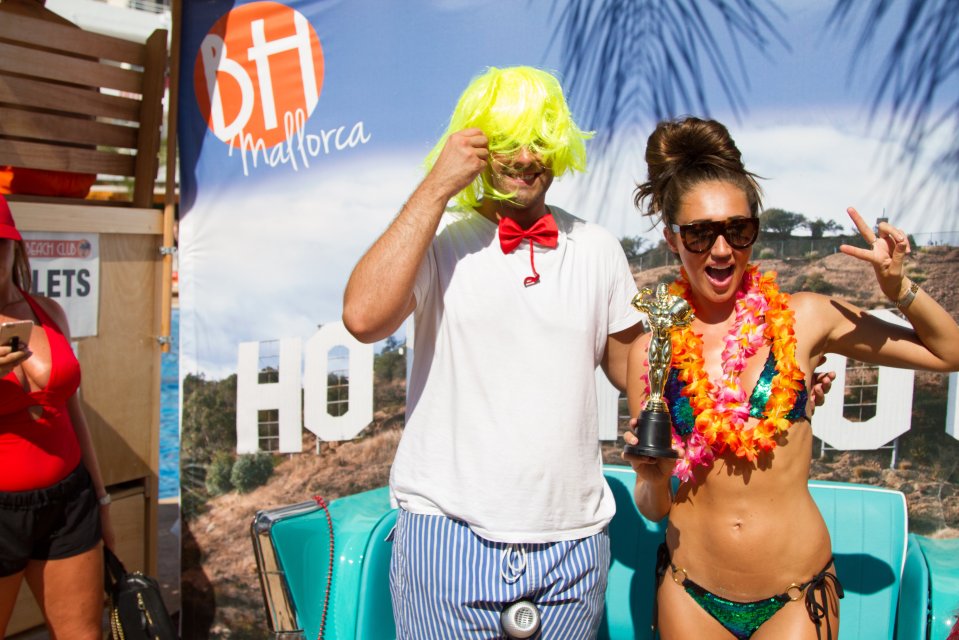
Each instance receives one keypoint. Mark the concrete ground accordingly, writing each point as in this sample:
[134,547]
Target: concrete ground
[168,568]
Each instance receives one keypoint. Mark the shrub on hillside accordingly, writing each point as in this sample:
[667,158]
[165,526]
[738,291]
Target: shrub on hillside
[917,275]
[218,474]
[816,283]
[209,417]
[251,471]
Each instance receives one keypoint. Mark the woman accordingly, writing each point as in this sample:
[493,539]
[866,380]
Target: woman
[746,549]
[54,509]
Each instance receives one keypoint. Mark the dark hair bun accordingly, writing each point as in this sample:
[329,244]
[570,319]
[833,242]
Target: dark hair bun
[683,153]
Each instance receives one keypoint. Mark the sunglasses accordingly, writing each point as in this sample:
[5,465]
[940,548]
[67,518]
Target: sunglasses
[699,237]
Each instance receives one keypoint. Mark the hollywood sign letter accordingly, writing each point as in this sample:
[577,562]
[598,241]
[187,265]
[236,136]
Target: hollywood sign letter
[284,395]
[952,407]
[893,404]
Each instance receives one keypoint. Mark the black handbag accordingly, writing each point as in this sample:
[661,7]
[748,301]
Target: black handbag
[137,611]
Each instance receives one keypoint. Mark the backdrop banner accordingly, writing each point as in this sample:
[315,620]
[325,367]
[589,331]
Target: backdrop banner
[302,131]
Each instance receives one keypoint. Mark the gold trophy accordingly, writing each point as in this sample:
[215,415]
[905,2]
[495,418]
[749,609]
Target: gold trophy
[664,312]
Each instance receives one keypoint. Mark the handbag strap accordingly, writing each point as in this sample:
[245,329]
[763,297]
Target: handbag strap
[113,569]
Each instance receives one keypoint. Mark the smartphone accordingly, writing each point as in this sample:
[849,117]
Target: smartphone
[15,335]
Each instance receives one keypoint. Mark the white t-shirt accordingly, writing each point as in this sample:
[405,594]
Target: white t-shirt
[501,425]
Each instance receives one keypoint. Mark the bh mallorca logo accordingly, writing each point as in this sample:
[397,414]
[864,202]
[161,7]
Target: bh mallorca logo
[258,78]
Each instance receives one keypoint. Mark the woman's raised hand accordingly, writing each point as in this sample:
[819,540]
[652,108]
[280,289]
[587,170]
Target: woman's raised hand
[886,253]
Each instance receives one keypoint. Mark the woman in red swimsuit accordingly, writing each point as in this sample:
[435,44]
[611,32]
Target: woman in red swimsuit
[54,510]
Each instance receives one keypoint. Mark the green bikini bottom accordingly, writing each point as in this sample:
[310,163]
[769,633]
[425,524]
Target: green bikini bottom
[743,619]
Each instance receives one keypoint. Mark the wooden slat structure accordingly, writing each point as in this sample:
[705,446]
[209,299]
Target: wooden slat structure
[71,100]
[85,102]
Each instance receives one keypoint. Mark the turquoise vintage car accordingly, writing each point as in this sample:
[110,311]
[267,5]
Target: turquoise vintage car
[327,568]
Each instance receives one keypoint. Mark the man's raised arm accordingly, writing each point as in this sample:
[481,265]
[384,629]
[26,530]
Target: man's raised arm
[379,293]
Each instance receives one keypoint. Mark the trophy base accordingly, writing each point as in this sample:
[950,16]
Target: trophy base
[652,452]
[654,431]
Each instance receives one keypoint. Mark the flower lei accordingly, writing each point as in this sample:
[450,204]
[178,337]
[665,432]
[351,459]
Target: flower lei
[722,410]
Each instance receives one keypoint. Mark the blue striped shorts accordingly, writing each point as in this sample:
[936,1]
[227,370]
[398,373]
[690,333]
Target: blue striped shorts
[447,582]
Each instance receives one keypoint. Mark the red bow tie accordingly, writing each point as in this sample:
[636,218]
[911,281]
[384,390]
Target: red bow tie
[543,232]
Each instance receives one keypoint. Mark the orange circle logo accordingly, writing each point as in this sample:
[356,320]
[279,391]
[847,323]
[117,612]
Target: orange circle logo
[258,75]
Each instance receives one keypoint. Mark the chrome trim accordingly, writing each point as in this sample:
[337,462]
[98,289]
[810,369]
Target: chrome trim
[280,609]
[265,519]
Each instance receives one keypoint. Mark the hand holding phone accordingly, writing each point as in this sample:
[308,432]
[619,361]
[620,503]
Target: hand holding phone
[16,334]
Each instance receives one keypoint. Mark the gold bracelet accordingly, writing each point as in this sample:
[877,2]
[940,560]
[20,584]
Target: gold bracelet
[907,298]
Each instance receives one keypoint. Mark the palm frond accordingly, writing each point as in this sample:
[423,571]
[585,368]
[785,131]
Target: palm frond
[630,63]
[917,80]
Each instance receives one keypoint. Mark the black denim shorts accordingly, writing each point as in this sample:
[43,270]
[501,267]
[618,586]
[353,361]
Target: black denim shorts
[55,522]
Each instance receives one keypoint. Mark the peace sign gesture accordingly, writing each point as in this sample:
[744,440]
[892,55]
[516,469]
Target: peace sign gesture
[886,253]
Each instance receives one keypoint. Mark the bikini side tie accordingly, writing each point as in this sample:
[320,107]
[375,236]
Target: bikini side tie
[819,611]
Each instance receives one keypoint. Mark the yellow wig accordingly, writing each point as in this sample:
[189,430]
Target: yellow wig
[517,107]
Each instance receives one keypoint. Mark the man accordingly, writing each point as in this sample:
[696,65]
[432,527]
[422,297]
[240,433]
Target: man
[498,475]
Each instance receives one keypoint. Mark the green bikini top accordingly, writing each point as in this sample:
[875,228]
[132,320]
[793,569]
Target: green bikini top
[681,411]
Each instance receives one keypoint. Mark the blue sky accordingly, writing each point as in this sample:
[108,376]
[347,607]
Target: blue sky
[266,255]
[806,94]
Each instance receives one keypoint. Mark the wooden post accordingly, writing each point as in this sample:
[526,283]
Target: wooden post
[170,191]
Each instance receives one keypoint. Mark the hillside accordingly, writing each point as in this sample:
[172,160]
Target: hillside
[217,555]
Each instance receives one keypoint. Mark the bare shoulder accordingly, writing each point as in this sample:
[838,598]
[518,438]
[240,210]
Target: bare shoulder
[806,303]
[55,311]
[817,319]
[816,307]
